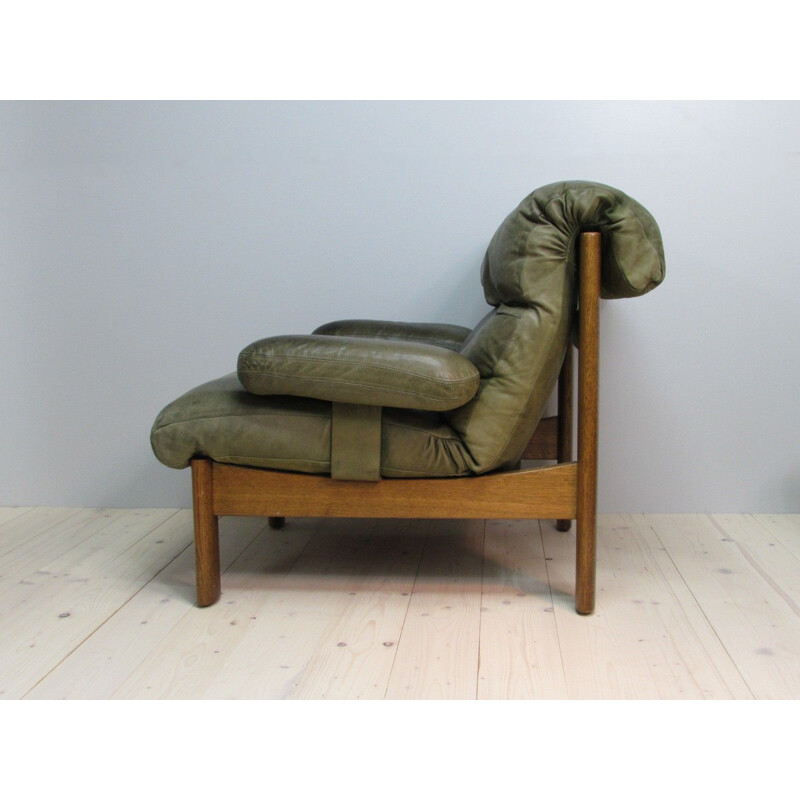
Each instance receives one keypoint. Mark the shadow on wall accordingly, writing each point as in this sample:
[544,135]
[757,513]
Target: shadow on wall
[175,485]
[463,280]
[786,487]
[648,448]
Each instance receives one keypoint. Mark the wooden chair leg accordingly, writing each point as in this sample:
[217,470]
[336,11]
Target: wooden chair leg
[586,533]
[277,522]
[565,421]
[206,534]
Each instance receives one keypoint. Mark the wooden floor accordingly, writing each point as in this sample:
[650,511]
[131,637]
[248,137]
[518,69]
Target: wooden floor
[98,603]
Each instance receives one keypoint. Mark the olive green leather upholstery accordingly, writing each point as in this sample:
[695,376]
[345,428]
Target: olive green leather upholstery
[352,369]
[222,421]
[355,442]
[450,336]
[529,278]
[529,275]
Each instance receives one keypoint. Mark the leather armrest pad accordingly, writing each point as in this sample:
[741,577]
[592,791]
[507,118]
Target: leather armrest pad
[438,333]
[349,369]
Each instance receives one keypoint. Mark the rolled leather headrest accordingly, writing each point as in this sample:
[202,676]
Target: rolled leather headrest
[539,236]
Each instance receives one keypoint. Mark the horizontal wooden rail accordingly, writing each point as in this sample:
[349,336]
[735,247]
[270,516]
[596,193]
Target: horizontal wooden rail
[539,493]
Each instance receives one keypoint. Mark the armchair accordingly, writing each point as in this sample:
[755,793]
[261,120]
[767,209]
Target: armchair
[386,419]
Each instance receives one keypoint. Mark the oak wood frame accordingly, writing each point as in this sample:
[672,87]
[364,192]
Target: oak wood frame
[563,492]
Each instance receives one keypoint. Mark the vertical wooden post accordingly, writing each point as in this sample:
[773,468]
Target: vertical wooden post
[206,533]
[565,420]
[588,340]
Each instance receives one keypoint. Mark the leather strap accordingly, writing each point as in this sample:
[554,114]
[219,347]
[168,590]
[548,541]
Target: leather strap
[355,442]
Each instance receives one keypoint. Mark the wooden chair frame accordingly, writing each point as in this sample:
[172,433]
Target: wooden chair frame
[563,492]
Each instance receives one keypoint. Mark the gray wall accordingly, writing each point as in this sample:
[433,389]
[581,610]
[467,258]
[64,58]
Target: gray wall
[143,244]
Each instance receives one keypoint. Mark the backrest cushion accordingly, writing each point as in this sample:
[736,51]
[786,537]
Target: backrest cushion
[539,236]
[529,275]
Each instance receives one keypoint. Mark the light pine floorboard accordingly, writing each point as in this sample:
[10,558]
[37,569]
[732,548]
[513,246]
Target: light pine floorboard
[747,591]
[324,627]
[187,662]
[8,513]
[648,638]
[99,603]
[518,625]
[438,652]
[17,529]
[51,610]
[356,653]
[112,652]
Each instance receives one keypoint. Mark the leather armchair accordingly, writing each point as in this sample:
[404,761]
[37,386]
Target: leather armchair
[362,400]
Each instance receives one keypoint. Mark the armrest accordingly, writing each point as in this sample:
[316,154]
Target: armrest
[438,333]
[346,369]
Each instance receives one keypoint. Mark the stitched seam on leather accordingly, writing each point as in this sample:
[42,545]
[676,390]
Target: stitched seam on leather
[449,344]
[421,328]
[272,458]
[224,416]
[327,463]
[224,459]
[340,382]
[435,381]
[370,364]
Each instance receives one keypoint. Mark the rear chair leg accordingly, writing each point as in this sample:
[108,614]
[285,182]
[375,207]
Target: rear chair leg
[277,522]
[206,533]
[565,421]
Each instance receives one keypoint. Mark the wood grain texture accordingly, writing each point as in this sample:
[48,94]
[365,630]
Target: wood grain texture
[21,528]
[299,605]
[189,661]
[51,612]
[10,513]
[756,618]
[588,372]
[694,606]
[650,638]
[544,442]
[529,493]
[53,542]
[438,652]
[110,654]
[784,529]
[772,554]
[206,533]
[520,651]
[356,652]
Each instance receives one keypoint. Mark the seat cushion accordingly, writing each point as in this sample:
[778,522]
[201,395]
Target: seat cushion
[222,421]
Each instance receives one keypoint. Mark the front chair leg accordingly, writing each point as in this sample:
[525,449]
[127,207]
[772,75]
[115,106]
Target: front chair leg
[586,533]
[586,564]
[206,533]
